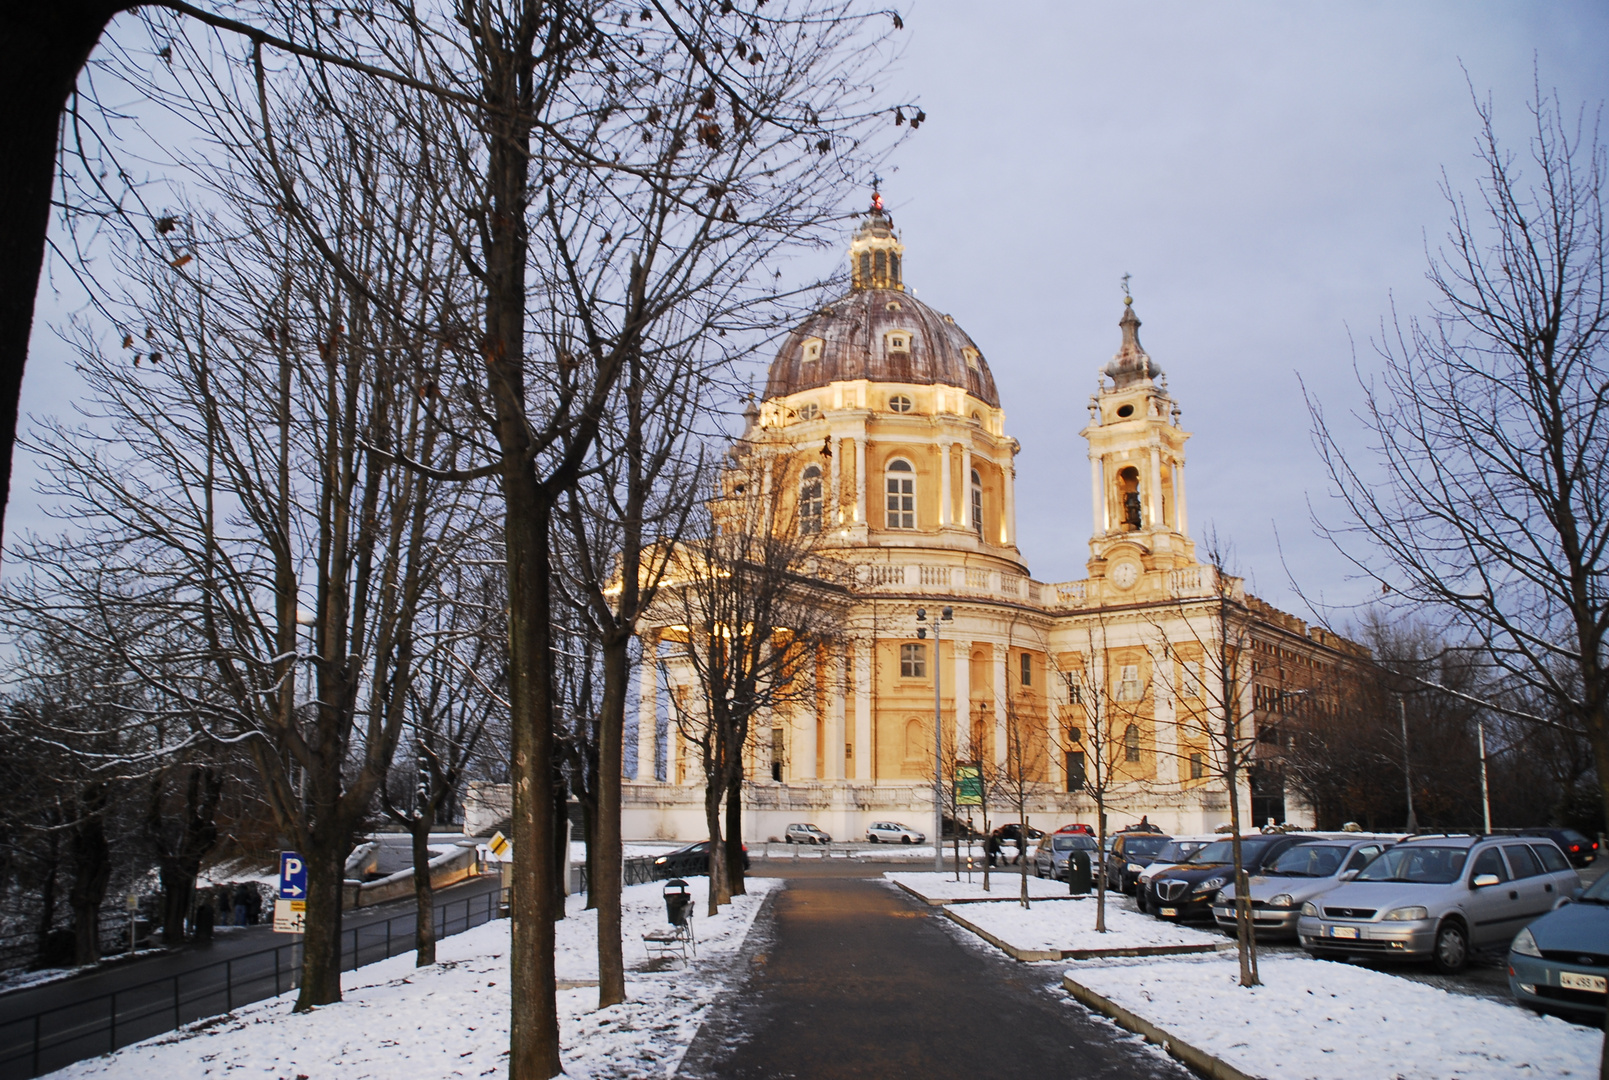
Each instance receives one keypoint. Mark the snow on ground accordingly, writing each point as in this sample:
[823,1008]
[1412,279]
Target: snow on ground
[452,1020]
[944,889]
[1320,1020]
[1070,924]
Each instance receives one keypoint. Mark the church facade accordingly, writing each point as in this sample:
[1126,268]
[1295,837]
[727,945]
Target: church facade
[891,440]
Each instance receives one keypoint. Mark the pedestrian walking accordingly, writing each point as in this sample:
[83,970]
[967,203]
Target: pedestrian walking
[242,899]
[991,847]
[220,899]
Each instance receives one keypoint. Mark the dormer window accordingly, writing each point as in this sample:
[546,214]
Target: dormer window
[812,350]
[809,411]
[899,341]
[972,358]
[893,305]
[900,403]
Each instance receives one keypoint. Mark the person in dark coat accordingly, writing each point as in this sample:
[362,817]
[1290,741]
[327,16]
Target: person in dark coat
[201,921]
[220,899]
[242,900]
[254,906]
[991,847]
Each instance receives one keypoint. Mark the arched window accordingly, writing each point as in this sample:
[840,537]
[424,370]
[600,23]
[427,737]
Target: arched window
[1131,743]
[865,269]
[901,488]
[915,743]
[810,502]
[977,503]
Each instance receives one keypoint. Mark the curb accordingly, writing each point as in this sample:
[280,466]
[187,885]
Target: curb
[941,902]
[1199,1061]
[1029,956]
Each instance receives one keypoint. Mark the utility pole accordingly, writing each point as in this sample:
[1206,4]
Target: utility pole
[1407,772]
[946,615]
[1486,797]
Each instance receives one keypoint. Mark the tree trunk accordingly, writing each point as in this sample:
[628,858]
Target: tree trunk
[734,836]
[1245,936]
[712,821]
[47,893]
[561,839]
[321,943]
[1100,853]
[92,870]
[42,49]
[607,853]
[178,893]
[425,897]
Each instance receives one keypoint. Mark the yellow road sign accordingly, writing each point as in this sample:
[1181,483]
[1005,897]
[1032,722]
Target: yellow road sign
[499,845]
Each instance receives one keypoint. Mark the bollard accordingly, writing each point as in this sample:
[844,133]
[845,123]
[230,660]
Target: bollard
[1079,878]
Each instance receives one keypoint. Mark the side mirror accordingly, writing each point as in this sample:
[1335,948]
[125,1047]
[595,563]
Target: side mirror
[1485,881]
[1349,875]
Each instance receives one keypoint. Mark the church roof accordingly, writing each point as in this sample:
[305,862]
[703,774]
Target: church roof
[861,332]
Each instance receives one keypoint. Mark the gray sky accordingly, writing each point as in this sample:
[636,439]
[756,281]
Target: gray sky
[1267,172]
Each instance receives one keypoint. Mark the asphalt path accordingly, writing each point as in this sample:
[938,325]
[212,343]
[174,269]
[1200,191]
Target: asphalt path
[70,1016]
[849,978]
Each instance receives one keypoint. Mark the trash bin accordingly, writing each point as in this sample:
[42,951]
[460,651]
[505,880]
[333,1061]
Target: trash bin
[677,903]
[1079,878]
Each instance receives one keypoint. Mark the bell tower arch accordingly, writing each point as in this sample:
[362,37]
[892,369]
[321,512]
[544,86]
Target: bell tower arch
[1136,458]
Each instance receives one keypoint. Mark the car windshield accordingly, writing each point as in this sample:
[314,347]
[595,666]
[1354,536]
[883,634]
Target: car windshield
[1309,860]
[1177,851]
[1070,843]
[1222,851]
[1598,891]
[1143,847]
[1411,862]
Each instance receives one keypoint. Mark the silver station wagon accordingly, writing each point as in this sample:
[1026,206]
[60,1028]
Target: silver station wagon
[1304,872]
[1438,898]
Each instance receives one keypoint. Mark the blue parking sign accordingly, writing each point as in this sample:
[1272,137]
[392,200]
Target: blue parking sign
[292,876]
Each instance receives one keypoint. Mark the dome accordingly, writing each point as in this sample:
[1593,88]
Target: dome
[858,336]
[878,331]
[1132,363]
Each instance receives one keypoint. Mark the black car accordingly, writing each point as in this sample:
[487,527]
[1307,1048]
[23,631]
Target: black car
[1184,893]
[694,859]
[1131,852]
[1577,848]
[1008,837]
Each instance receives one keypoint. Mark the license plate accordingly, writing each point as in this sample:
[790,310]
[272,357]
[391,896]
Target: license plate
[1344,931]
[1168,912]
[1596,984]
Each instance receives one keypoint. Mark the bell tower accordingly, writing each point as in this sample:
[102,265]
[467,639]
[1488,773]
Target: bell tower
[1136,461]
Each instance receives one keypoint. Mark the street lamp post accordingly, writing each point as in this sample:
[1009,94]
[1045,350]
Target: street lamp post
[945,615]
[1407,773]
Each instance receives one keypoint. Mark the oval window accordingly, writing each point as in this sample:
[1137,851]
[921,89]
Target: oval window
[899,403]
[1125,410]
[809,411]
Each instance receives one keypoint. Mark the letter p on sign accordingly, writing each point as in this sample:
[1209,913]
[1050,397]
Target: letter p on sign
[292,876]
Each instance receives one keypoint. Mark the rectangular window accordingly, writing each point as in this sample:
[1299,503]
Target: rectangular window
[1075,693]
[913,661]
[777,752]
[1198,767]
[1128,687]
[1075,770]
[1191,683]
[902,502]
[1027,670]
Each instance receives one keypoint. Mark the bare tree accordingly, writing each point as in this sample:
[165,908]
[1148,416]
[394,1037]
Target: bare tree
[760,607]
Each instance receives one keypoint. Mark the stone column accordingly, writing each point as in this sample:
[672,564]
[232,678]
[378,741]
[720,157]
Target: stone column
[961,680]
[835,502]
[804,754]
[944,484]
[648,710]
[1002,687]
[673,738]
[860,479]
[1178,495]
[1097,489]
[966,486]
[833,726]
[865,760]
[1010,523]
[1154,514]
[1166,711]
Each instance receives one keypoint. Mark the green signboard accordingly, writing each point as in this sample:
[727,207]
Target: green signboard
[968,784]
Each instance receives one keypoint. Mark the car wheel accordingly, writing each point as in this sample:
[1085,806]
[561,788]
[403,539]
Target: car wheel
[1451,954]
[905,839]
[871,839]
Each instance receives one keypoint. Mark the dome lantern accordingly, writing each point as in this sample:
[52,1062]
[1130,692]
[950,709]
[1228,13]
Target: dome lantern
[1131,363]
[875,253]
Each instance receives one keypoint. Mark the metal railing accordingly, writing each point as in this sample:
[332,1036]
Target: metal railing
[52,1038]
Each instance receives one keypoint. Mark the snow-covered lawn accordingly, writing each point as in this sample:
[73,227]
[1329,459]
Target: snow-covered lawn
[397,1021]
[1068,928]
[944,889]
[1318,1020]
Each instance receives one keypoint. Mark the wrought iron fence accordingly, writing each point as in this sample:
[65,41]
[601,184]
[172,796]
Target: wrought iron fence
[43,1041]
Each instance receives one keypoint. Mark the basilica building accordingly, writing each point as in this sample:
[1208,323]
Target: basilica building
[896,451]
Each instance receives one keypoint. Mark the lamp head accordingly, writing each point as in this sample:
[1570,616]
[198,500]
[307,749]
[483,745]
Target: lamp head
[948,614]
[921,614]
[921,632]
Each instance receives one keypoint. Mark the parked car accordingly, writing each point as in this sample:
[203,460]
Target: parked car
[1131,853]
[1174,852]
[1437,898]
[1302,873]
[1577,848]
[1560,963]
[1184,892]
[689,861]
[1050,858]
[1087,830]
[892,832]
[801,832]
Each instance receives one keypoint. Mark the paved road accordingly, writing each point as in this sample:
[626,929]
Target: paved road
[852,979]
